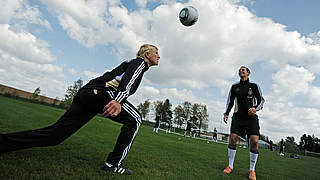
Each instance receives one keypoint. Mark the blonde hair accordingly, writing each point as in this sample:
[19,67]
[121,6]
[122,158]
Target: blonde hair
[145,48]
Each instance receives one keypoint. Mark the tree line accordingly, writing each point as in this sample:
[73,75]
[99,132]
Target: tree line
[196,113]
[179,115]
[65,102]
[307,143]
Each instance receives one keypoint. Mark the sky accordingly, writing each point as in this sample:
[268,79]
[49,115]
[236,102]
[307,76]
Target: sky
[52,44]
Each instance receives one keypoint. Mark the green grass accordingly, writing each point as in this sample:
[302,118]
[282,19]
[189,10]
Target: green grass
[152,156]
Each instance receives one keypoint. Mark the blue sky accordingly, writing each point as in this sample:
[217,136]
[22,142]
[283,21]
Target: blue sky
[51,44]
[297,15]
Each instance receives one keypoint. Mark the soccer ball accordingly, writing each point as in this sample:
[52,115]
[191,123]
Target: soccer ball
[188,16]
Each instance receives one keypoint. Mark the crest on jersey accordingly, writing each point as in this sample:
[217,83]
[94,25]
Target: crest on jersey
[250,92]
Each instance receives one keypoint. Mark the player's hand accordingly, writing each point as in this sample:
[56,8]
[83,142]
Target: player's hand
[252,111]
[225,118]
[112,109]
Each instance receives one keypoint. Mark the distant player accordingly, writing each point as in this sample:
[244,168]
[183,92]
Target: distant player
[271,145]
[188,128]
[215,135]
[169,125]
[281,148]
[248,99]
[157,125]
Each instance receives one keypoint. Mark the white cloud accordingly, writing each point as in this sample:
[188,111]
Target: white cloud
[215,46]
[281,119]
[219,43]
[21,14]
[30,15]
[26,59]
[91,75]
[313,96]
[291,80]
[85,21]
[314,38]
[176,96]
[30,75]
[24,45]
[8,9]
[142,3]
[72,71]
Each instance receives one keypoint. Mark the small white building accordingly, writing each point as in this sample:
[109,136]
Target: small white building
[263,144]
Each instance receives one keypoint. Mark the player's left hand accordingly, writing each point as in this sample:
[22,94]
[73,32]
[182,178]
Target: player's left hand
[252,111]
[225,118]
[112,109]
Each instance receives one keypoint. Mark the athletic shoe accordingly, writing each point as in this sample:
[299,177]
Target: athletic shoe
[227,170]
[252,175]
[116,169]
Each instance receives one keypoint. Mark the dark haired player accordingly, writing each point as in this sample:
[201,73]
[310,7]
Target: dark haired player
[188,128]
[248,99]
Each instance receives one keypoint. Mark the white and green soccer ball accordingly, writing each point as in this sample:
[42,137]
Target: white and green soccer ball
[188,16]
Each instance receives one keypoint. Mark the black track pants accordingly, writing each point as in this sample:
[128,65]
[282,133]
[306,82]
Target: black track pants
[85,106]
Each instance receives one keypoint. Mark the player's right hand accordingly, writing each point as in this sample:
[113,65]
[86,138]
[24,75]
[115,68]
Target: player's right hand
[225,118]
[112,109]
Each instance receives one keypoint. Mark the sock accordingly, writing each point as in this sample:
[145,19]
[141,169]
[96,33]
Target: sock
[253,159]
[231,154]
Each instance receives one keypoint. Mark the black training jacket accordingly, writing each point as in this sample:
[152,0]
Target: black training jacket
[247,95]
[131,71]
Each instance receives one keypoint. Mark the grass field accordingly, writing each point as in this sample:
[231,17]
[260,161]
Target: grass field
[152,156]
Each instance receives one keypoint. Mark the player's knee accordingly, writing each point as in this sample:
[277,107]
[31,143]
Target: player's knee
[233,141]
[134,123]
[137,119]
[254,144]
[232,146]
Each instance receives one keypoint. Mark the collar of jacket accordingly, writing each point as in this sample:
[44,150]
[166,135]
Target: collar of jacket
[145,62]
[244,82]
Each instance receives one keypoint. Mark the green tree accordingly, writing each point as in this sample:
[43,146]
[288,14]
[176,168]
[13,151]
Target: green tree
[144,109]
[264,138]
[178,116]
[163,109]
[290,145]
[203,117]
[158,107]
[303,142]
[199,116]
[186,110]
[309,143]
[35,94]
[167,113]
[72,91]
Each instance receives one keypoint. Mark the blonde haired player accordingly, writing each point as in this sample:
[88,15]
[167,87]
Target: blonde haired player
[103,95]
